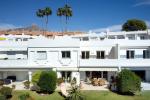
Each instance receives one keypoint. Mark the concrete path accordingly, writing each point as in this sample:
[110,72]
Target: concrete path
[145,86]
[20,86]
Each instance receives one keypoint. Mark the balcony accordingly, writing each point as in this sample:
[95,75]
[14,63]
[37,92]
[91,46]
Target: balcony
[13,63]
[114,62]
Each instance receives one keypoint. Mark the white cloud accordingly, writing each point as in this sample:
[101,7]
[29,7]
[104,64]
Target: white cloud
[142,2]
[5,26]
[110,28]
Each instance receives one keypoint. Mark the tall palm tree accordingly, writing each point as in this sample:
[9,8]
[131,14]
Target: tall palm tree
[44,12]
[67,13]
[60,12]
[47,12]
[40,14]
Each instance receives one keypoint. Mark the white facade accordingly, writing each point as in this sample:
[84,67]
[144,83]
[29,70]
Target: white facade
[89,55]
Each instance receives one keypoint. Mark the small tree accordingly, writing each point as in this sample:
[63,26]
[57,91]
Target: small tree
[134,25]
[128,82]
[36,77]
[47,81]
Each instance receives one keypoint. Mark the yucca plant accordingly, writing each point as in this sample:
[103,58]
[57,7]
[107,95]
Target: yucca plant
[75,94]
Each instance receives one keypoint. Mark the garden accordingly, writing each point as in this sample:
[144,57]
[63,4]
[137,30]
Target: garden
[43,87]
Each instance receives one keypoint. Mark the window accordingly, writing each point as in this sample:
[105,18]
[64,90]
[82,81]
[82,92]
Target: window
[85,54]
[65,54]
[100,54]
[25,39]
[146,54]
[111,37]
[41,55]
[85,38]
[120,37]
[130,54]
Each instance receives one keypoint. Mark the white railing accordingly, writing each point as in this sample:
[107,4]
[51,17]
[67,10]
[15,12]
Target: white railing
[115,62]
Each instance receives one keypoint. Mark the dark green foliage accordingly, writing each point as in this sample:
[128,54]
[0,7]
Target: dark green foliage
[24,96]
[128,82]
[47,81]
[134,25]
[2,97]
[75,94]
[6,91]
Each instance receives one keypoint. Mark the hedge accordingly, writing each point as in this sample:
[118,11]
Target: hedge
[47,81]
[128,82]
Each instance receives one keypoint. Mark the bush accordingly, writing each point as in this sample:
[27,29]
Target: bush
[24,96]
[128,82]
[6,91]
[36,76]
[47,81]
[27,84]
[2,97]
[75,94]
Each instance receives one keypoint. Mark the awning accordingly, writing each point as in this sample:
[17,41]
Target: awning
[67,69]
[98,69]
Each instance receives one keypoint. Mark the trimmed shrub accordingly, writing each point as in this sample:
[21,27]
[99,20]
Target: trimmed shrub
[128,82]
[47,81]
[27,84]
[6,91]
[36,76]
[24,96]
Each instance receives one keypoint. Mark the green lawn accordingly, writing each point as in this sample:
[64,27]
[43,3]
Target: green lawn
[90,95]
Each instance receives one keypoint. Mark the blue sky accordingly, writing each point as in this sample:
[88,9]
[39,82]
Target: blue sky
[87,14]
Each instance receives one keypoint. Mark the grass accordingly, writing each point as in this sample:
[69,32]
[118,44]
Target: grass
[90,95]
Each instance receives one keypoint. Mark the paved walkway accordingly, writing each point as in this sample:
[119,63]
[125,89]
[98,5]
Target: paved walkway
[145,86]
[20,86]
[87,87]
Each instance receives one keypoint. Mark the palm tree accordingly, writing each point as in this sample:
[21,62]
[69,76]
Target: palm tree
[47,12]
[41,13]
[67,13]
[60,12]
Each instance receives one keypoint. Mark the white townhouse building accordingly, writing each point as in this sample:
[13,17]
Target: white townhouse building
[94,55]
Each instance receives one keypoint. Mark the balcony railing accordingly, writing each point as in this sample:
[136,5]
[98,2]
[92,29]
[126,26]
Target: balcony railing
[115,62]
[13,63]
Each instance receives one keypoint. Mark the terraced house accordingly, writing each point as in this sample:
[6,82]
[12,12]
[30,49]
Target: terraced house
[95,55]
